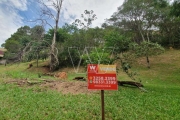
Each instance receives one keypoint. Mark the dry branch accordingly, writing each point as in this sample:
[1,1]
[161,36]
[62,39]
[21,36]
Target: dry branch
[136,84]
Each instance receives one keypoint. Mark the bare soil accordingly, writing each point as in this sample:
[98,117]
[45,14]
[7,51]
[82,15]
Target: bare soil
[72,87]
[65,87]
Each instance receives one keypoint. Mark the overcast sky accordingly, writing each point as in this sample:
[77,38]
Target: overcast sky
[16,13]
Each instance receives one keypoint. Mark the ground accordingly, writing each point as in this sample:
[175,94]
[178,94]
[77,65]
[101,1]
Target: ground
[78,87]
[28,94]
[65,87]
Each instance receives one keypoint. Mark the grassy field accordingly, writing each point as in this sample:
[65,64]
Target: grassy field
[161,102]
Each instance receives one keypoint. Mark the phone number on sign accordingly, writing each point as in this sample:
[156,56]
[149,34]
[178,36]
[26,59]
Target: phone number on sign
[103,78]
[104,81]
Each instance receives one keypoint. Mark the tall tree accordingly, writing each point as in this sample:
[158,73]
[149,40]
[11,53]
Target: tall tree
[16,43]
[140,17]
[54,13]
[169,27]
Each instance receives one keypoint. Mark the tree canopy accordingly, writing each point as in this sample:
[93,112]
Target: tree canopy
[144,27]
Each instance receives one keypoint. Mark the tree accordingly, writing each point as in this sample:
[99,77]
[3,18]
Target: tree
[87,17]
[169,29]
[37,33]
[70,28]
[175,14]
[54,13]
[16,43]
[147,48]
[62,36]
[83,36]
[140,17]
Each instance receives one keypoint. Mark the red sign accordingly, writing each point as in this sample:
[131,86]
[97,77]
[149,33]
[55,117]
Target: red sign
[92,68]
[101,80]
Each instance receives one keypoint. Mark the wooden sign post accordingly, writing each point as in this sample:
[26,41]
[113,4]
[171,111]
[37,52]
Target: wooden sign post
[102,105]
[102,77]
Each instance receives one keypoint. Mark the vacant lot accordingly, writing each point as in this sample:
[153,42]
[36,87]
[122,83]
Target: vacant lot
[28,94]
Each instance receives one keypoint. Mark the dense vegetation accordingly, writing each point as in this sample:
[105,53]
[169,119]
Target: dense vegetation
[139,26]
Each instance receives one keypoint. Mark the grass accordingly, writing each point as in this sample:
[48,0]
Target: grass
[127,103]
[20,71]
[161,102]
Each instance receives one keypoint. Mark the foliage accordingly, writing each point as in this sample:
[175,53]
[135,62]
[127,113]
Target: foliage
[87,17]
[12,46]
[25,44]
[70,28]
[118,41]
[141,25]
[98,56]
[77,42]
[16,42]
[61,35]
[139,17]
[37,32]
[70,57]
[175,10]
[169,26]
[147,49]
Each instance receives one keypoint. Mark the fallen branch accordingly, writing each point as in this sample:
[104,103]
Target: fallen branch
[33,82]
[49,74]
[136,84]
[48,80]
[80,78]
[142,89]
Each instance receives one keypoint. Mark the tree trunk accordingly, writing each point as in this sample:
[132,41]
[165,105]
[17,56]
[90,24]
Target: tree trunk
[147,60]
[37,61]
[141,34]
[53,61]
[53,57]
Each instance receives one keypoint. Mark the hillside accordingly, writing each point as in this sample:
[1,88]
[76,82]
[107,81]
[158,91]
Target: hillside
[62,99]
[165,68]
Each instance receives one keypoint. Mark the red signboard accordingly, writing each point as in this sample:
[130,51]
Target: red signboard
[101,80]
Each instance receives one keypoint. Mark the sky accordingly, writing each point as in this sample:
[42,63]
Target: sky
[17,13]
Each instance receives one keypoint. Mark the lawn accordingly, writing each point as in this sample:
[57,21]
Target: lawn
[160,102]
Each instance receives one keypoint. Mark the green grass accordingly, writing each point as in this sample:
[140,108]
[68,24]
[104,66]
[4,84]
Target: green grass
[161,102]
[20,71]
[128,103]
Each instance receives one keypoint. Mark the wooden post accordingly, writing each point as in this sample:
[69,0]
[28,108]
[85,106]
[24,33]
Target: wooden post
[102,104]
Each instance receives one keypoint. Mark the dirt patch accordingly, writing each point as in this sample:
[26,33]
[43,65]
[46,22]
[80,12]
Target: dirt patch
[72,87]
[65,87]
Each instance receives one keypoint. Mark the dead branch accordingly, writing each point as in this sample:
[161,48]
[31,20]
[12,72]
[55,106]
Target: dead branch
[136,84]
